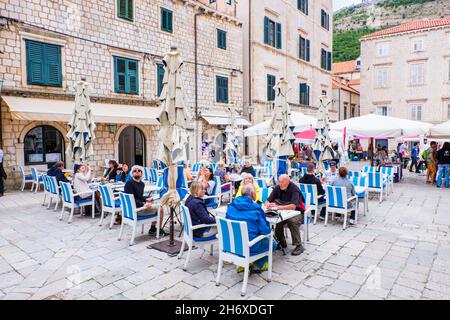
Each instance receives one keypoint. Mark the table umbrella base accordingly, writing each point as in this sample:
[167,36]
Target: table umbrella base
[165,246]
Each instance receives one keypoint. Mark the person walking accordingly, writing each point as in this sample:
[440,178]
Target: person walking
[415,158]
[431,162]
[443,162]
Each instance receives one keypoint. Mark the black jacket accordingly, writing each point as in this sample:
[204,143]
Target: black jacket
[137,189]
[57,173]
[311,179]
[112,173]
[443,156]
[199,213]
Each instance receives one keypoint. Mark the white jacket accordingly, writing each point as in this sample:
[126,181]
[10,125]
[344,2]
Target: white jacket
[81,183]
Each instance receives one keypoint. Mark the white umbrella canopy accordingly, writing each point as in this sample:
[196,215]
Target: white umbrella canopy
[174,118]
[81,126]
[373,125]
[232,143]
[441,130]
[300,121]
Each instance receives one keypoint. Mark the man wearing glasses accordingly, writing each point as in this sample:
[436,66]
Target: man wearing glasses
[136,187]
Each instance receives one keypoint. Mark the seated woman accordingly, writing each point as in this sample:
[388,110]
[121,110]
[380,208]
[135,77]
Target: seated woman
[342,181]
[248,179]
[199,213]
[223,175]
[111,173]
[123,174]
[84,175]
[206,179]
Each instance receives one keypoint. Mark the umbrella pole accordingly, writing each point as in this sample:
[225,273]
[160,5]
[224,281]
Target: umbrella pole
[371,152]
[172,228]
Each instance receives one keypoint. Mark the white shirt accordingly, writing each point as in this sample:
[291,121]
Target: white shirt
[329,177]
[81,183]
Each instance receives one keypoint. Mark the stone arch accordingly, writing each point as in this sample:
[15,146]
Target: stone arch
[143,129]
[148,141]
[34,124]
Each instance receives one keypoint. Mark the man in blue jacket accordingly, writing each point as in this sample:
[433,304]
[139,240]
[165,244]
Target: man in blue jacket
[246,209]
[415,158]
[57,172]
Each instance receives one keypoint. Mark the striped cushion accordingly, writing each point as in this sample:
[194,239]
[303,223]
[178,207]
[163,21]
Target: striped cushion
[200,239]
[146,217]
[82,201]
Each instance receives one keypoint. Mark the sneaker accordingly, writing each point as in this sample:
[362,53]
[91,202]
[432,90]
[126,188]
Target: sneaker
[152,231]
[298,250]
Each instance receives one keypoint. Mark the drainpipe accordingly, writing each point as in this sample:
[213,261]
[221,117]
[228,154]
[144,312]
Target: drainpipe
[339,109]
[249,54]
[196,85]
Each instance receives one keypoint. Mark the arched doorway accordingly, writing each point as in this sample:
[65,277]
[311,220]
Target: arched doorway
[132,146]
[43,145]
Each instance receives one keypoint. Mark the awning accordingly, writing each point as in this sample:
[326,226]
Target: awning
[223,120]
[60,110]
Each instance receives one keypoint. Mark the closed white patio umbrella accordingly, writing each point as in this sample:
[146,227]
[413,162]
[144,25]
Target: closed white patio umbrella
[440,131]
[81,126]
[231,150]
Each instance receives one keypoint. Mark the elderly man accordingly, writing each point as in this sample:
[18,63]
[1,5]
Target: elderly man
[136,187]
[329,176]
[287,196]
[247,168]
[245,208]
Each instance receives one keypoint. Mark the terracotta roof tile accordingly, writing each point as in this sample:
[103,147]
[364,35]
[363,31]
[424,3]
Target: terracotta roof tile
[337,84]
[354,82]
[409,26]
[344,67]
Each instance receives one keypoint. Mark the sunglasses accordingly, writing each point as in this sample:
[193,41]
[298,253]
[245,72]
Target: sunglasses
[137,170]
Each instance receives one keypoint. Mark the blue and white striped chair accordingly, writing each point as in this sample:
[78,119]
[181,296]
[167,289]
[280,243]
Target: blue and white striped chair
[313,203]
[214,200]
[337,203]
[354,173]
[265,193]
[130,216]
[26,178]
[69,201]
[303,170]
[188,235]
[369,169]
[155,164]
[196,168]
[54,191]
[261,182]
[46,188]
[110,204]
[234,247]
[377,183]
[37,179]
[389,174]
[363,197]
[214,167]
[306,216]
[150,175]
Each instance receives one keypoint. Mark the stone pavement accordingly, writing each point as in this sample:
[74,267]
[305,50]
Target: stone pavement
[400,250]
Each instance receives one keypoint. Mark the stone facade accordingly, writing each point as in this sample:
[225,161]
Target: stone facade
[261,59]
[345,99]
[90,34]
[388,85]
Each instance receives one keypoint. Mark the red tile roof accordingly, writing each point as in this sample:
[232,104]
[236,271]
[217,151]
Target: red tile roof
[337,84]
[344,67]
[410,26]
[354,82]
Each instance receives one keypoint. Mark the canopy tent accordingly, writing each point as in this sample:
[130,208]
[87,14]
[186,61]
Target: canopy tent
[300,121]
[306,136]
[440,131]
[373,125]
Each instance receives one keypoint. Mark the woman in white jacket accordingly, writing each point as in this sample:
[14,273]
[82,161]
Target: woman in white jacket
[83,176]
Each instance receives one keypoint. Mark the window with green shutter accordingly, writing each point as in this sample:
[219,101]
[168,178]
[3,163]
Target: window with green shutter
[329,61]
[126,76]
[270,87]
[166,20]
[221,89]
[304,94]
[304,50]
[125,9]
[272,33]
[43,61]
[324,19]
[160,77]
[221,39]
[302,5]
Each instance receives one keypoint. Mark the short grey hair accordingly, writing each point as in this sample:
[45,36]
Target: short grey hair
[248,190]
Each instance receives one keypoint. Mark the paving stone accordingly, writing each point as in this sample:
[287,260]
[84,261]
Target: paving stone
[405,292]
[273,291]
[307,292]
[345,288]
[318,282]
[208,292]
[10,279]
[105,292]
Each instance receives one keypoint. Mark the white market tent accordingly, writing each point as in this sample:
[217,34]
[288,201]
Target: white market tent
[373,125]
[299,120]
[440,131]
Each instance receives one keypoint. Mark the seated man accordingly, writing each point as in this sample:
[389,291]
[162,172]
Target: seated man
[136,187]
[310,178]
[245,208]
[56,171]
[287,196]
[329,176]
[247,168]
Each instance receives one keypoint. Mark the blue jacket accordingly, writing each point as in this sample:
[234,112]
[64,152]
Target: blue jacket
[57,173]
[244,209]
[199,214]
[415,153]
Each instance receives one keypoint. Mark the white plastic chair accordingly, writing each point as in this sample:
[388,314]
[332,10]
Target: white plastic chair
[69,201]
[234,247]
[362,181]
[37,179]
[130,216]
[46,188]
[110,204]
[337,203]
[377,183]
[214,200]
[54,191]
[389,176]
[26,178]
[188,236]
[313,202]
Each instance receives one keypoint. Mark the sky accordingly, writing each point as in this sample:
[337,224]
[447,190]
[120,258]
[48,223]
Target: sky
[338,4]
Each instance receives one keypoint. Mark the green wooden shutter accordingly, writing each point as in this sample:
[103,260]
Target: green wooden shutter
[163,19]
[307,95]
[120,69]
[130,10]
[278,35]
[221,39]
[35,62]
[323,59]
[329,61]
[308,50]
[266,30]
[160,77]
[270,89]
[122,8]
[132,76]
[169,21]
[301,49]
[306,6]
[53,65]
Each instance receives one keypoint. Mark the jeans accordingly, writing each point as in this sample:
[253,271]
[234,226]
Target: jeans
[443,170]
[414,163]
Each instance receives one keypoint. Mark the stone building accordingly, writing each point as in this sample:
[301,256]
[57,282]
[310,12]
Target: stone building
[117,45]
[405,71]
[285,39]
[346,82]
